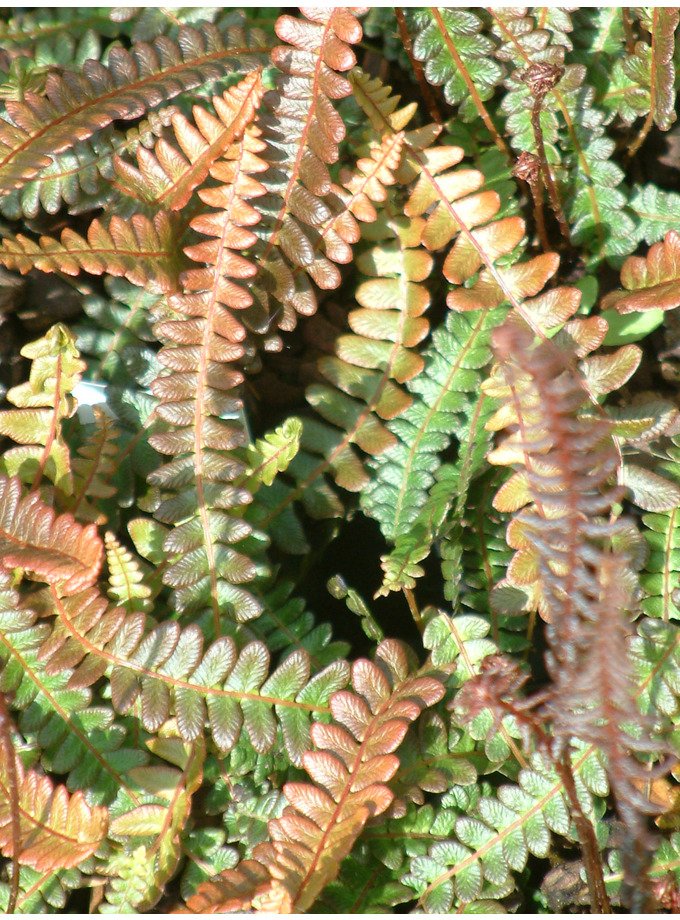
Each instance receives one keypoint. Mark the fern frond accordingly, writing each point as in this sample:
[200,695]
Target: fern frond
[41,892]
[350,770]
[496,836]
[444,393]
[49,25]
[600,701]
[161,818]
[127,578]
[285,626]
[366,366]
[203,337]
[54,549]
[379,354]
[568,493]
[655,652]
[657,212]
[141,250]
[119,325]
[660,575]
[82,177]
[42,404]
[653,70]
[456,56]
[437,759]
[652,283]
[56,831]
[166,666]
[76,106]
[92,469]
[302,136]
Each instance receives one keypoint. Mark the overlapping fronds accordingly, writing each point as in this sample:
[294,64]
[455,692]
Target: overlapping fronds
[167,176]
[353,762]
[166,668]
[93,469]
[42,403]
[290,288]
[81,178]
[551,113]
[286,625]
[600,700]
[82,740]
[75,106]
[565,493]
[368,364]
[50,548]
[119,345]
[584,594]
[161,820]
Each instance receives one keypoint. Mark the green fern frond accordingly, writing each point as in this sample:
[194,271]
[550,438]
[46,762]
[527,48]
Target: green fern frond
[446,393]
[286,625]
[93,470]
[128,577]
[497,837]
[42,404]
[43,892]
[365,884]
[657,212]
[458,57]
[54,24]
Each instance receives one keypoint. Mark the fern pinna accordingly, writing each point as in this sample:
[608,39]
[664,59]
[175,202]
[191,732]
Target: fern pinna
[300,307]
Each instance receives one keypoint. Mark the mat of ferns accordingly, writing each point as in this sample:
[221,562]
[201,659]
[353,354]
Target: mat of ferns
[339,460]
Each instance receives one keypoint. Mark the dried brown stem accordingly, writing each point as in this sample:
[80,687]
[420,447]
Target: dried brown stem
[7,749]
[641,137]
[546,174]
[528,168]
[599,901]
[628,30]
[540,79]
